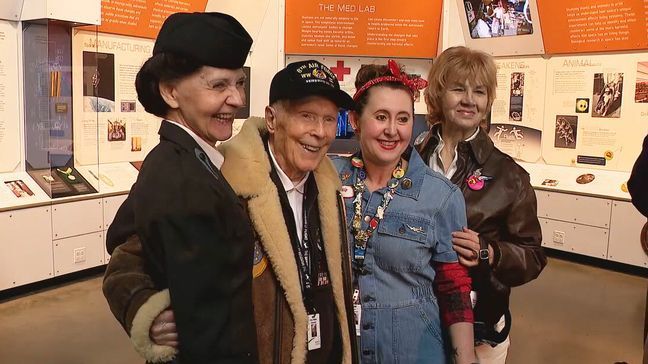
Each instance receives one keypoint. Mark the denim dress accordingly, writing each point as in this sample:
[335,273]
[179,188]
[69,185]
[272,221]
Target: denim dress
[400,316]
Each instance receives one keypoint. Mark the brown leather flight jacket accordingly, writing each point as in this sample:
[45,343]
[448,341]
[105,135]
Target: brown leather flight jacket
[503,212]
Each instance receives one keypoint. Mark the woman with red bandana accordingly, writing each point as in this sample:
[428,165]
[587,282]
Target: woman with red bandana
[400,215]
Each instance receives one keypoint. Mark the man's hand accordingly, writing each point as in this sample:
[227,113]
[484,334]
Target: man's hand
[163,330]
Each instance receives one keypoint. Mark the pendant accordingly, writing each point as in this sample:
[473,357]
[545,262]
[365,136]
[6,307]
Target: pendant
[380,212]
[362,175]
[361,237]
[347,191]
[398,172]
[357,162]
[357,224]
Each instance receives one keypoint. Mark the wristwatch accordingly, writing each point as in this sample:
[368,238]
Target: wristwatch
[484,254]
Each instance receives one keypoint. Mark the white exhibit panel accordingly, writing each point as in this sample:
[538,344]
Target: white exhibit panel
[10,9]
[516,32]
[78,253]
[518,109]
[77,11]
[574,238]
[625,231]
[103,248]
[110,124]
[574,208]
[26,246]
[596,115]
[110,207]
[9,101]
[77,218]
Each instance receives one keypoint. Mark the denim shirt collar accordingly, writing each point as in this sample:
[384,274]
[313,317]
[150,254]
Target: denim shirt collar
[416,170]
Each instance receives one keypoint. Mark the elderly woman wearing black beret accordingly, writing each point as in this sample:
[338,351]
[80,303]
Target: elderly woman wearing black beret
[195,235]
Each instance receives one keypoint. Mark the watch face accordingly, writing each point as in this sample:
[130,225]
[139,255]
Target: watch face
[483,254]
[585,178]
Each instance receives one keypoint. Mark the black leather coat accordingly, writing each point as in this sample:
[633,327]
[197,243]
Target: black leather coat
[198,243]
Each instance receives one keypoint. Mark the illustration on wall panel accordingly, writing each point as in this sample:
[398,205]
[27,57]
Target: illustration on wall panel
[607,95]
[565,131]
[517,96]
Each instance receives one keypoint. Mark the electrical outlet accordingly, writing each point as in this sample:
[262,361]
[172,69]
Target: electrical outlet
[80,255]
[558,237]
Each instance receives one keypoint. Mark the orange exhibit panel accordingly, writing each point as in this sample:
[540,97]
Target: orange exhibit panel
[377,28]
[142,18]
[593,25]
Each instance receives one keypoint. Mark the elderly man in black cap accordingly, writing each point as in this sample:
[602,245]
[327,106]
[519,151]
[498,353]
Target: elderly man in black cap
[278,167]
[189,227]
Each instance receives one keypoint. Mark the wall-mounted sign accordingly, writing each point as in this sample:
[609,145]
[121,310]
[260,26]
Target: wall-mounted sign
[142,18]
[376,28]
[594,25]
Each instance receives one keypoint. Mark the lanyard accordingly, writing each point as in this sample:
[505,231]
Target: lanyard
[303,253]
[362,236]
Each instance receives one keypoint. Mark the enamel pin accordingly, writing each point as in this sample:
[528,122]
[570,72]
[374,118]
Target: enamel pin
[347,191]
[476,180]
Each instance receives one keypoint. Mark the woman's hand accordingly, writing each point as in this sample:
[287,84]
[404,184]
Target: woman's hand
[466,244]
[163,329]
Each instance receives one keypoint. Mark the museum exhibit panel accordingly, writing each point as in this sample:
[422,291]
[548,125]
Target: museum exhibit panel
[571,110]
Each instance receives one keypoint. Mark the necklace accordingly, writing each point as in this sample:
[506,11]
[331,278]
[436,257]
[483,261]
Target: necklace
[361,236]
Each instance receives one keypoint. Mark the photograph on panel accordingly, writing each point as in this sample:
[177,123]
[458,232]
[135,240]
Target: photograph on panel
[128,106]
[607,95]
[498,18]
[565,131]
[116,130]
[641,87]
[517,96]
[98,82]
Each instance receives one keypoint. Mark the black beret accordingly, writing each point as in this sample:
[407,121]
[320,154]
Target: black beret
[213,39]
[308,78]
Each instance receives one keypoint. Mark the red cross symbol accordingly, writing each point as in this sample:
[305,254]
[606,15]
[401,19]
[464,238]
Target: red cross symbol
[340,70]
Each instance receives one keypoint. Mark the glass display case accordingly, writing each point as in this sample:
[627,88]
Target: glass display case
[48,103]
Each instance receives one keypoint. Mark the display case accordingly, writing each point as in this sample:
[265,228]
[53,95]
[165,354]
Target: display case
[58,193]
[49,117]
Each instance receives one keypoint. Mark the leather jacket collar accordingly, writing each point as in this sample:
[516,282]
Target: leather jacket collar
[480,148]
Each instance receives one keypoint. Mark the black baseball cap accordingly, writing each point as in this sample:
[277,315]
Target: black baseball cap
[308,78]
[213,39]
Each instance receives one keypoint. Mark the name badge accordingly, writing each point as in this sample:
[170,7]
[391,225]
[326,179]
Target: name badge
[314,338]
[357,310]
